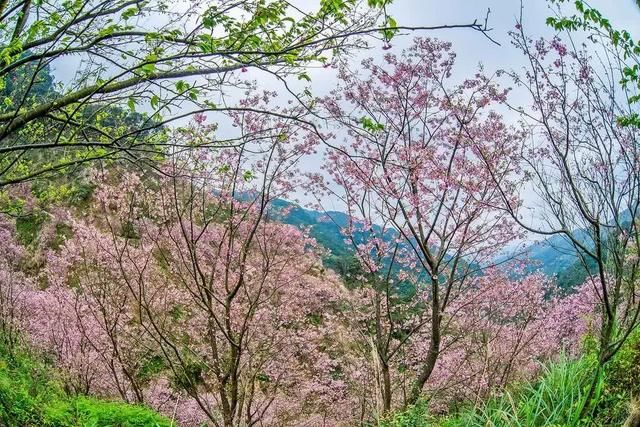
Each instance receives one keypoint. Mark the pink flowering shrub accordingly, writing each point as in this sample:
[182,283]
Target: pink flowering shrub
[502,331]
[119,296]
[177,290]
[499,331]
[14,284]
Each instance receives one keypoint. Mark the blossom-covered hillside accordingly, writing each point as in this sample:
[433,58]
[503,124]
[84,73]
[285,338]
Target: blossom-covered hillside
[467,252]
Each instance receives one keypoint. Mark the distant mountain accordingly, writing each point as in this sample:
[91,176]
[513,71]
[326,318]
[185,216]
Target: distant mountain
[324,227]
[554,256]
[557,256]
[556,253]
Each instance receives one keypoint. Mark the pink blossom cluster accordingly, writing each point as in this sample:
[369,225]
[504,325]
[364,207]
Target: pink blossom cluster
[503,330]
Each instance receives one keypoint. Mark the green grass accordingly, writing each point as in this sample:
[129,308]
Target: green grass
[31,395]
[622,383]
[554,400]
[414,416]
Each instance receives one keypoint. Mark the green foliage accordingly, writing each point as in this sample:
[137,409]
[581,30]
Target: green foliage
[622,382]
[190,376]
[63,122]
[576,273]
[30,215]
[371,125]
[63,233]
[31,395]
[29,84]
[70,190]
[28,227]
[83,411]
[554,400]
[348,267]
[623,372]
[101,124]
[414,416]
[152,365]
[128,231]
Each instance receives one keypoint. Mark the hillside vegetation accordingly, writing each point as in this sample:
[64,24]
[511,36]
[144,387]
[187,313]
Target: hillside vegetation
[32,395]
[555,398]
[467,252]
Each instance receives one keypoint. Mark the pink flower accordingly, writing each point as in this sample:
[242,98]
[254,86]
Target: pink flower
[200,118]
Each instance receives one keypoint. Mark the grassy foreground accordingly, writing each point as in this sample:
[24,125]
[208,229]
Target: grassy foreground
[554,399]
[30,396]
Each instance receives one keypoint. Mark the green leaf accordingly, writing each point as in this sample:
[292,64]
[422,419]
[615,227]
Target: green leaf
[148,68]
[129,13]
[181,86]
[371,125]
[304,76]
[248,176]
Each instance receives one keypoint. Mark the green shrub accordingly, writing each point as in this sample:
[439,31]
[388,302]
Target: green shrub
[31,395]
[622,382]
[28,227]
[84,411]
[555,399]
[414,416]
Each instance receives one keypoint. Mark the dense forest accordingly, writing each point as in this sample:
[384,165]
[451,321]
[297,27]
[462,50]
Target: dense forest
[284,213]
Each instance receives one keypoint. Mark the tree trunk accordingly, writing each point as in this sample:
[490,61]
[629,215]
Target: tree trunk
[434,348]
[591,400]
[386,387]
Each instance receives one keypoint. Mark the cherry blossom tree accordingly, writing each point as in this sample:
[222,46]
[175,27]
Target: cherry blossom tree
[583,165]
[385,308]
[13,285]
[187,273]
[415,159]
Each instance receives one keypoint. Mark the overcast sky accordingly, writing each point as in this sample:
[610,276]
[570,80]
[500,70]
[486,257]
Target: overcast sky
[470,46]
[473,48]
